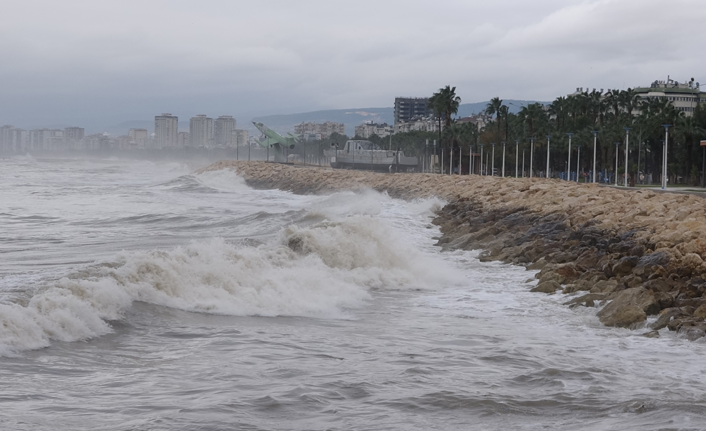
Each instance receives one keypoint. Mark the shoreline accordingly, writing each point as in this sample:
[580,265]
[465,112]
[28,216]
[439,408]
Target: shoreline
[639,252]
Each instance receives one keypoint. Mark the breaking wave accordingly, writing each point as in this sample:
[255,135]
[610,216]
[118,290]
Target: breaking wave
[323,270]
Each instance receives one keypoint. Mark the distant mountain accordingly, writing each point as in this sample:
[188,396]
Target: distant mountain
[354,117]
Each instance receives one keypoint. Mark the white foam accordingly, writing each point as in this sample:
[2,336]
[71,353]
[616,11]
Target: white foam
[224,180]
[322,270]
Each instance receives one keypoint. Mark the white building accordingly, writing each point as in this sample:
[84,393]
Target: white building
[685,96]
[139,138]
[201,131]
[223,128]
[240,137]
[166,127]
[326,129]
[370,128]
[421,124]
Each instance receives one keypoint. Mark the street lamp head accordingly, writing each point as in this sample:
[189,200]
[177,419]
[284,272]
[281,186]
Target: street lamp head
[570,134]
[627,129]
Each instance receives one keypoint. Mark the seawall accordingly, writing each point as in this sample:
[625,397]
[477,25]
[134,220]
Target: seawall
[638,252]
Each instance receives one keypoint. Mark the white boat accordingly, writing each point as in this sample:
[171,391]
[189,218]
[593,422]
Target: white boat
[365,155]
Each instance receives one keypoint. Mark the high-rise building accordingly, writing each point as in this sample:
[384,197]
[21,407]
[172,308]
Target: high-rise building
[74,137]
[223,127]
[240,137]
[407,108]
[183,139]
[6,137]
[201,131]
[166,127]
[139,137]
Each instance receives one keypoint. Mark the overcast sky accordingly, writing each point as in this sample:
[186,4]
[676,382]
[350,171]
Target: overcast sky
[75,61]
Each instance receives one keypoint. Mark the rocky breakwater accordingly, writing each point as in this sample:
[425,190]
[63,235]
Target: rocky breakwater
[632,253]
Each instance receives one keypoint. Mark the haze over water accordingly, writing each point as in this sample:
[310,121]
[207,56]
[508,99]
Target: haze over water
[136,295]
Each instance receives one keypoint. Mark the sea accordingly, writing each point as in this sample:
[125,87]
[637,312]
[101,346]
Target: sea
[144,296]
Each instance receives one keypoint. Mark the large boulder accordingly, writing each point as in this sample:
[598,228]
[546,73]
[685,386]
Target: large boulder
[547,287]
[629,307]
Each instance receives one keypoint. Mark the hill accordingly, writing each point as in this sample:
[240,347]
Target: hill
[354,117]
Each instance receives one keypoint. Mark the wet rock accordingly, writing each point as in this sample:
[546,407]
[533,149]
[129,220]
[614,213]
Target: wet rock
[624,317]
[700,312]
[577,286]
[587,300]
[604,286]
[629,306]
[692,330]
[625,265]
[547,287]
[654,259]
[666,316]
[651,334]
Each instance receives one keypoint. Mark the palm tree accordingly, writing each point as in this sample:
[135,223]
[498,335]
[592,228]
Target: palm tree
[445,103]
[530,114]
[493,107]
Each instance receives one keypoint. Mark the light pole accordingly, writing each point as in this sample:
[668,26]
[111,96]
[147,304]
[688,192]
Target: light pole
[531,155]
[595,137]
[432,166]
[523,162]
[517,149]
[568,177]
[578,163]
[503,174]
[627,139]
[492,169]
[664,159]
[470,159]
[616,163]
[451,160]
[548,155]
[481,159]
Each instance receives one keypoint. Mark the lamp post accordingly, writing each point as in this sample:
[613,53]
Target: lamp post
[460,157]
[616,163]
[627,140]
[531,155]
[578,163]
[492,168]
[470,159]
[593,171]
[664,159]
[517,148]
[481,159]
[503,173]
[523,163]
[451,160]
[548,136]
[432,166]
[568,177]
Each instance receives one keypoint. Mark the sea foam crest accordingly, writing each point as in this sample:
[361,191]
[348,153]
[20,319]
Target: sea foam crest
[321,270]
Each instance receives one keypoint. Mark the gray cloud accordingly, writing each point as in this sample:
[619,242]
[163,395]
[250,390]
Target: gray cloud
[73,60]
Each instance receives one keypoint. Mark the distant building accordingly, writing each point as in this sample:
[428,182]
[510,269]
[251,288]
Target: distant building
[166,127]
[479,120]
[183,139]
[223,128]
[685,96]
[201,131]
[74,137]
[139,138]
[326,129]
[13,139]
[369,128]
[240,137]
[421,124]
[407,108]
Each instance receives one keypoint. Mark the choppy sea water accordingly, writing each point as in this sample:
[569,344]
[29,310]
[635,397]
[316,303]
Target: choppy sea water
[140,296]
